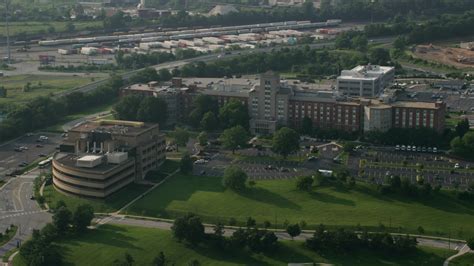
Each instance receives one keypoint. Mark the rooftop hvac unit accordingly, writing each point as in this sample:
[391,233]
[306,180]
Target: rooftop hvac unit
[117,157]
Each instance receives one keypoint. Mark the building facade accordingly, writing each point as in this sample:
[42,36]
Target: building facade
[99,158]
[365,81]
[272,103]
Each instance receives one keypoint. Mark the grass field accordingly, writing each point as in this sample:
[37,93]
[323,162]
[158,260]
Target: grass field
[111,242]
[465,260]
[33,27]
[43,85]
[278,200]
[112,203]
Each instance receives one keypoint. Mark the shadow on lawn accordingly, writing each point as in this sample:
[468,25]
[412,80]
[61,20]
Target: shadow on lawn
[108,235]
[328,198]
[441,201]
[235,256]
[266,196]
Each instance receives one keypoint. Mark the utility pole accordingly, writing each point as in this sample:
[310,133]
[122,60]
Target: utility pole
[8,32]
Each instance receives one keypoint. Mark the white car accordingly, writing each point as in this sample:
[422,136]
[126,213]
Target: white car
[457,166]
[200,161]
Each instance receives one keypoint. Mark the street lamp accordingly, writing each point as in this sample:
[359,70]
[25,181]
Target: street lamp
[8,31]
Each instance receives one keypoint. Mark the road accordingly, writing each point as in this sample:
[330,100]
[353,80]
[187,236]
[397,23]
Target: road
[17,208]
[10,159]
[166,225]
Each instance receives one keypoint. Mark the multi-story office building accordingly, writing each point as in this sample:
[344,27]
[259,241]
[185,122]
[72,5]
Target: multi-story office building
[419,114]
[100,157]
[365,81]
[272,103]
[170,95]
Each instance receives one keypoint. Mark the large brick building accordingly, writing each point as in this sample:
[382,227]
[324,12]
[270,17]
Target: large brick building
[273,103]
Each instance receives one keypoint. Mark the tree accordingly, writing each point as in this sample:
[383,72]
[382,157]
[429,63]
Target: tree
[360,42]
[379,56]
[209,121]
[129,259]
[462,127]
[61,219]
[234,137]
[285,141]
[234,113]
[181,136]
[349,146]
[293,230]
[202,138]
[188,228]
[186,164]
[165,74]
[82,217]
[116,21]
[234,178]
[470,243]
[307,126]
[159,260]
[304,183]
[127,107]
[152,109]
[400,43]
[70,27]
[251,222]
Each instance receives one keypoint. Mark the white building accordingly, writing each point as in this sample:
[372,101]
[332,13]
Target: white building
[365,81]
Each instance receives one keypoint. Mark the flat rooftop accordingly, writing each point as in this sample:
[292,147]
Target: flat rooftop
[114,127]
[70,160]
[424,105]
[370,72]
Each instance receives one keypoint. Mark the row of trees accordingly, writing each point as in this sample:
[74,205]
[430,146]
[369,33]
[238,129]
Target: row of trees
[140,108]
[441,27]
[345,241]
[189,228]
[314,63]
[40,250]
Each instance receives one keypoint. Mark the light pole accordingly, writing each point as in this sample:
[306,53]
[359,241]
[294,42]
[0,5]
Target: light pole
[8,32]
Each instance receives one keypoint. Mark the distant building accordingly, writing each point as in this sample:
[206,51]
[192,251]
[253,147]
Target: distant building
[99,158]
[365,81]
[222,10]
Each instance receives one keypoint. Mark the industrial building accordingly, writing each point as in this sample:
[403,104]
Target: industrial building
[365,81]
[99,158]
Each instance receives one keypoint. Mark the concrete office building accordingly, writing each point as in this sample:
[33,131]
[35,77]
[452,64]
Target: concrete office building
[99,158]
[365,81]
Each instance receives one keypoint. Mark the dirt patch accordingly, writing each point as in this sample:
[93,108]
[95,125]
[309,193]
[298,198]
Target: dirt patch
[457,57]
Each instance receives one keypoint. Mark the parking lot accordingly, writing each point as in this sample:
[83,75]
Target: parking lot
[262,164]
[433,168]
[19,153]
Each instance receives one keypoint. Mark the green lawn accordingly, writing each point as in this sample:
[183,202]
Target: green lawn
[465,260]
[42,85]
[111,242]
[278,200]
[5,237]
[112,203]
[33,27]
